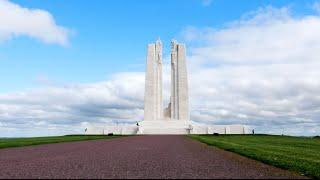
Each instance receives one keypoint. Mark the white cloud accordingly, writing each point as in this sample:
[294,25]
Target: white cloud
[262,70]
[206,2]
[35,23]
[71,107]
[271,35]
[316,6]
[264,67]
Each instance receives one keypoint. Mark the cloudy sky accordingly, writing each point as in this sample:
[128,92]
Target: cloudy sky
[66,64]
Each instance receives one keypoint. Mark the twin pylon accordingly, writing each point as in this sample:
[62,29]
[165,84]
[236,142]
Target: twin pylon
[178,108]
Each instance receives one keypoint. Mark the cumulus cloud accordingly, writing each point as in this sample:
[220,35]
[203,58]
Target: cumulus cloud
[271,35]
[35,23]
[262,71]
[70,108]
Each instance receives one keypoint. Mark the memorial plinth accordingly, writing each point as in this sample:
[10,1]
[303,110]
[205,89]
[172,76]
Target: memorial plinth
[164,127]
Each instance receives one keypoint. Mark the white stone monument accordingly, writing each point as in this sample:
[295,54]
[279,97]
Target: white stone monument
[153,84]
[178,108]
[179,100]
[175,119]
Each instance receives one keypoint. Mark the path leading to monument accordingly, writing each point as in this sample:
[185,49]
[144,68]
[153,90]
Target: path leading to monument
[132,157]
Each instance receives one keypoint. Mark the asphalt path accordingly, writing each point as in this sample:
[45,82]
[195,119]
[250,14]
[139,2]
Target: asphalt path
[132,157]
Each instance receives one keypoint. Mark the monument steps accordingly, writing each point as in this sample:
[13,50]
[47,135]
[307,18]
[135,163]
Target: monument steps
[164,127]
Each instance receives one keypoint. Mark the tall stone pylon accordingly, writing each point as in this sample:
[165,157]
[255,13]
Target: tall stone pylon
[153,105]
[179,101]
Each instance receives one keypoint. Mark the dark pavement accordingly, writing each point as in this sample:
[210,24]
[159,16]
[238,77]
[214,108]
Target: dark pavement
[132,157]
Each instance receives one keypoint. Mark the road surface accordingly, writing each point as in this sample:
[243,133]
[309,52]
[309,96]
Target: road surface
[132,157]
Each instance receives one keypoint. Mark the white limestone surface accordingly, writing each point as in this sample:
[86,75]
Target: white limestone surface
[153,104]
[179,99]
[198,129]
[236,129]
[220,129]
[168,127]
[129,130]
[120,129]
[94,130]
[164,127]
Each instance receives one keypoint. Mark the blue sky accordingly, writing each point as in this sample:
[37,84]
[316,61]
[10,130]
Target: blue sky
[111,36]
[68,64]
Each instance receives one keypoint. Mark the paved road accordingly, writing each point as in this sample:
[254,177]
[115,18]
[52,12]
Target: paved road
[132,157]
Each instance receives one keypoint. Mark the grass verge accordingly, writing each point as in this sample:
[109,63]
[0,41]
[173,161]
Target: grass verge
[19,142]
[300,154]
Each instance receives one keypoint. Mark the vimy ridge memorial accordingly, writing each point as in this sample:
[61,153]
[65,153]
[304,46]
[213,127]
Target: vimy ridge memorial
[175,118]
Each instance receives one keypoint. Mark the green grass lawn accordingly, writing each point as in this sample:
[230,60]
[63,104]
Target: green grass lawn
[300,154]
[18,142]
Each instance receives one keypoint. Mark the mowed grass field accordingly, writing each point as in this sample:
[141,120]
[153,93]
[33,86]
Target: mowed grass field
[300,154]
[19,142]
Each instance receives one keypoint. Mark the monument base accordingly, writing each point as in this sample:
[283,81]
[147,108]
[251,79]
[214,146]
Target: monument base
[164,127]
